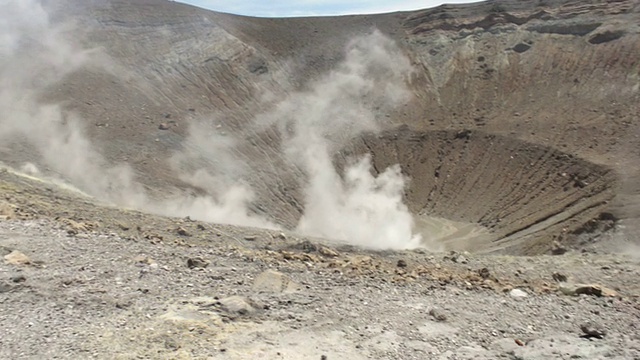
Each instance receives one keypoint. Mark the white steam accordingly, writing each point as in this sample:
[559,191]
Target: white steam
[36,54]
[357,206]
[362,209]
[220,173]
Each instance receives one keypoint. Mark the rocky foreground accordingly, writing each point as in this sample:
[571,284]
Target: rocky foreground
[83,280]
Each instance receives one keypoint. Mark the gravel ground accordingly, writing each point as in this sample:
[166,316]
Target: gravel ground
[101,295]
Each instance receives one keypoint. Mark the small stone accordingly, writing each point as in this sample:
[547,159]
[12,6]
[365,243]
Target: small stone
[7,211]
[558,249]
[484,273]
[4,287]
[17,258]
[142,260]
[18,278]
[197,262]
[250,237]
[163,126]
[587,289]
[401,263]
[274,282]
[559,277]
[456,257]
[171,344]
[592,330]
[519,342]
[328,252]
[518,293]
[238,305]
[182,231]
[438,315]
[124,227]
[521,47]
[307,246]
[123,304]
[5,251]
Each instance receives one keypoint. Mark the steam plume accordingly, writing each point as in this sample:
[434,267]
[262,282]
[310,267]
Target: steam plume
[356,206]
[359,208]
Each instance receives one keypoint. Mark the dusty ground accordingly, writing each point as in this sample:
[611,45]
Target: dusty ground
[523,122]
[99,282]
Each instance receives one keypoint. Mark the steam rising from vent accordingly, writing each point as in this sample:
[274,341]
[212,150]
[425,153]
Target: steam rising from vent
[35,55]
[357,206]
[208,162]
[362,209]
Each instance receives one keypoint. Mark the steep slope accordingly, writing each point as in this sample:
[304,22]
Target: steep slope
[523,115]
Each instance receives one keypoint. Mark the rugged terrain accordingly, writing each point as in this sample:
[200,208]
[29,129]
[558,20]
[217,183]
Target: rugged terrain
[536,103]
[82,280]
[516,125]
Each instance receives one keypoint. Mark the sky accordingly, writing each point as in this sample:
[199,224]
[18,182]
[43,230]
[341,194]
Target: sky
[286,8]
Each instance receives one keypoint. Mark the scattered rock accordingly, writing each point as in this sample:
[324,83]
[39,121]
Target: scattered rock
[606,36]
[521,47]
[75,227]
[197,263]
[456,257]
[238,305]
[143,260]
[281,236]
[438,315]
[258,66]
[558,249]
[328,252]
[123,304]
[163,126]
[5,251]
[17,258]
[518,293]
[274,282]
[484,273]
[182,231]
[559,277]
[7,211]
[295,256]
[250,238]
[519,342]
[4,287]
[18,278]
[592,330]
[587,289]
[306,246]
[360,262]
[124,227]
[401,263]
[171,344]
